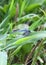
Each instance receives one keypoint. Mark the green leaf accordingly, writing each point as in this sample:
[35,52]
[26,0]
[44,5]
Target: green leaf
[37,23]
[16,51]
[22,8]
[11,5]
[32,7]
[4,21]
[37,1]
[34,4]
[22,41]
[27,17]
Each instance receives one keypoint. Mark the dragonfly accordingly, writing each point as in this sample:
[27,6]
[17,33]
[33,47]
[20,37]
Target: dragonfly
[22,32]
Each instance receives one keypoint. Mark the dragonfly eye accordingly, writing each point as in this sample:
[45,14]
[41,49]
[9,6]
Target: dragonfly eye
[26,33]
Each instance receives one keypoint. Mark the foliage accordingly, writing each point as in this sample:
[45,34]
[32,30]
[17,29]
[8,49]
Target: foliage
[22,32]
